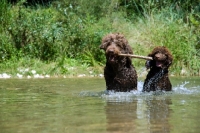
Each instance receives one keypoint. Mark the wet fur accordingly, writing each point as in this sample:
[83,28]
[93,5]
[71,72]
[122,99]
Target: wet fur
[119,73]
[163,83]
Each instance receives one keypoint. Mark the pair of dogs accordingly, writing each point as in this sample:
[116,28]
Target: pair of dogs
[120,74]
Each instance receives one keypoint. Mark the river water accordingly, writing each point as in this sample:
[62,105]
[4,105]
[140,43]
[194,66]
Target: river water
[81,105]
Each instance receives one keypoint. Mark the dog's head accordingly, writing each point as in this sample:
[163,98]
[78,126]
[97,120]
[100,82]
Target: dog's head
[162,57]
[113,45]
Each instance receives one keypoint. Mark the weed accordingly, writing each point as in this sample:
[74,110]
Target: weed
[66,34]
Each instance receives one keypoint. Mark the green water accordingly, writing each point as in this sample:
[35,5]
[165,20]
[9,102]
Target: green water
[83,106]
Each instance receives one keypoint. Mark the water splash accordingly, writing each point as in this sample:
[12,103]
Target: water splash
[182,89]
[120,96]
[112,96]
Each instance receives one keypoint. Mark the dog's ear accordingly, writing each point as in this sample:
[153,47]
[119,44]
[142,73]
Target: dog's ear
[128,62]
[103,46]
[168,63]
[128,49]
[170,58]
[148,64]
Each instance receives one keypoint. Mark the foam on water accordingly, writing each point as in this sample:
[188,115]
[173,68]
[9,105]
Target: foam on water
[182,89]
[137,94]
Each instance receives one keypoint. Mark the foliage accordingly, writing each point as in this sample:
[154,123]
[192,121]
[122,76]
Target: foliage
[147,7]
[72,30]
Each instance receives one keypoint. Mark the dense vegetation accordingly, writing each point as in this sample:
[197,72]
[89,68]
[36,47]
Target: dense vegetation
[55,36]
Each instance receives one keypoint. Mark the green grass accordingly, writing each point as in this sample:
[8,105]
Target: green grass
[64,40]
[69,68]
[179,37]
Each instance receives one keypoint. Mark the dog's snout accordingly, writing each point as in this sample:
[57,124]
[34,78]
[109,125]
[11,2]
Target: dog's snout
[160,56]
[111,51]
[157,55]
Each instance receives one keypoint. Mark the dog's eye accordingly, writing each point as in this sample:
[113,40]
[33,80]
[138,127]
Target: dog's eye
[108,44]
[157,52]
[120,45]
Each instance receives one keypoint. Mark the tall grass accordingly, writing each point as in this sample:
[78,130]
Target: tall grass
[168,29]
[72,31]
[179,39]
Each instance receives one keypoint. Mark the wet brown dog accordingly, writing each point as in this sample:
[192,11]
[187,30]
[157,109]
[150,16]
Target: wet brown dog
[158,78]
[119,73]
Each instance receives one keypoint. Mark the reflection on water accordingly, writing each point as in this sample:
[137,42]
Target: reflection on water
[157,113]
[83,105]
[121,116]
[145,113]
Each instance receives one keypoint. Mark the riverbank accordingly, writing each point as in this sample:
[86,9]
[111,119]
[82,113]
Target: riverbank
[39,76]
[33,74]
[73,72]
[70,68]
[39,69]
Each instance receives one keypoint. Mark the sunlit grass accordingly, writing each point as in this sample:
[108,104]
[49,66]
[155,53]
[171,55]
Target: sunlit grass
[61,40]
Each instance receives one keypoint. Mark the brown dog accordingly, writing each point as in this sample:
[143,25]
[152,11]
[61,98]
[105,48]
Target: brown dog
[158,78]
[119,73]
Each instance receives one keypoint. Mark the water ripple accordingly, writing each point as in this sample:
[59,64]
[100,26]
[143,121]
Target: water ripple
[137,94]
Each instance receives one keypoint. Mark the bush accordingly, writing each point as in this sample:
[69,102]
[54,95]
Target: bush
[72,30]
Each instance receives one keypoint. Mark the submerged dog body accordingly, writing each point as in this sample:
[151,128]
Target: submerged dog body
[158,78]
[120,75]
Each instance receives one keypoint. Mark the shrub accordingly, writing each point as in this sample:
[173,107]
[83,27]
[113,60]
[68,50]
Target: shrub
[72,30]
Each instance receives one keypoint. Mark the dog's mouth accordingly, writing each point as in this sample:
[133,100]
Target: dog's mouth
[112,57]
[159,63]
[160,59]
